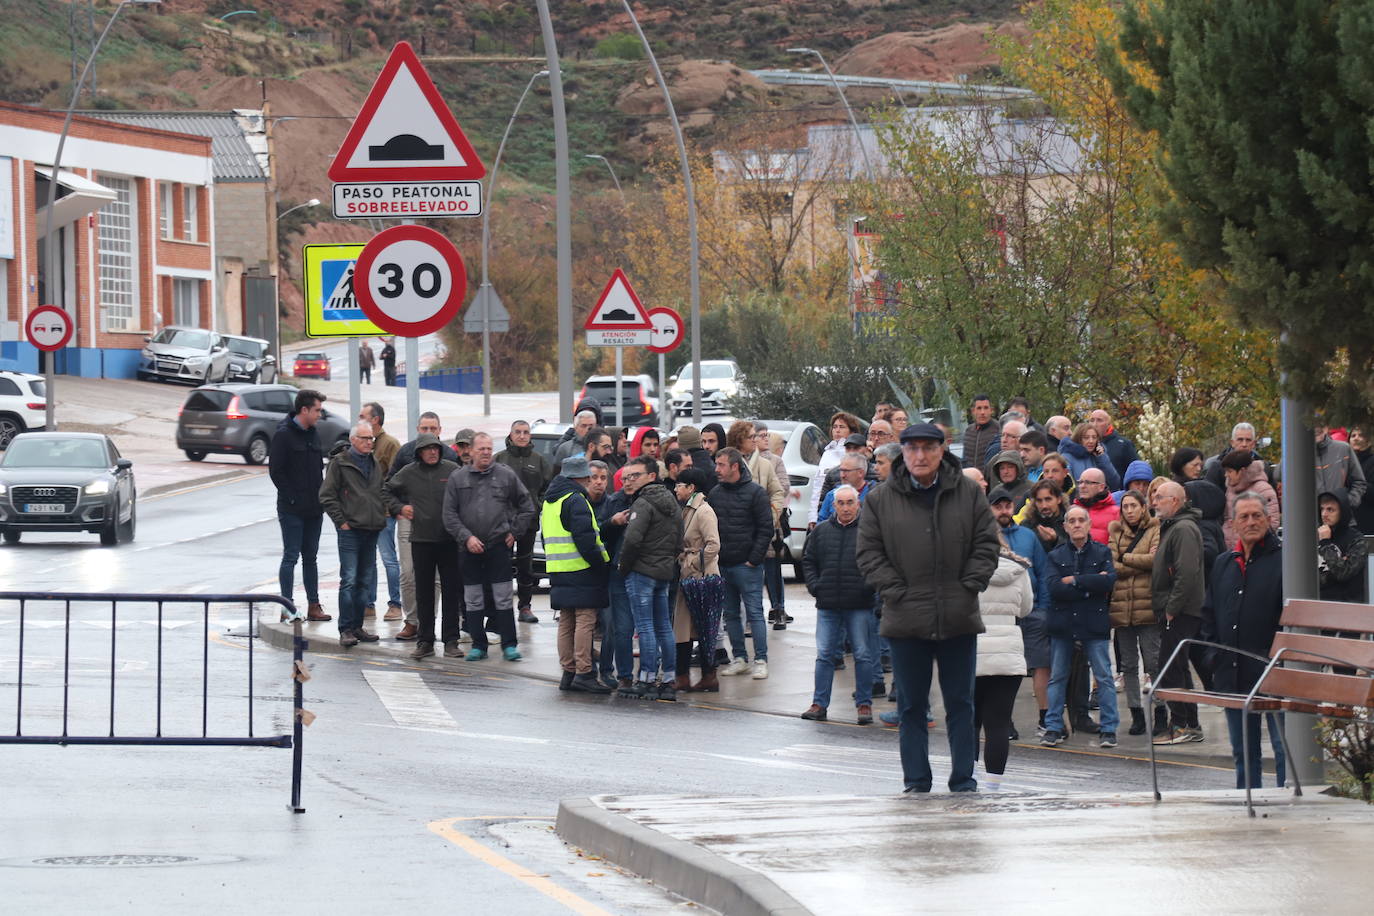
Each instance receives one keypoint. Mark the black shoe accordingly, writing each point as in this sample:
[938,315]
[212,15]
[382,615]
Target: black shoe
[587,683]
[527,617]
[364,636]
[1013,734]
[1085,724]
[666,691]
[722,658]
[636,691]
[879,689]
[839,665]
[609,681]
[1137,721]
[565,682]
[1108,739]
[1052,738]
[787,618]
[778,619]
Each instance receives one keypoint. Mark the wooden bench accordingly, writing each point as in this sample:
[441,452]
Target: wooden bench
[1280,688]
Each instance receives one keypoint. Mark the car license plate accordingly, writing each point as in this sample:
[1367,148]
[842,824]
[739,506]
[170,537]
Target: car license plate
[45,507]
[199,430]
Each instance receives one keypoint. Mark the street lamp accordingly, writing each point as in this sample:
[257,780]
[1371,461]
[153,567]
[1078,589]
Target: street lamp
[49,241]
[609,169]
[312,202]
[858,135]
[486,246]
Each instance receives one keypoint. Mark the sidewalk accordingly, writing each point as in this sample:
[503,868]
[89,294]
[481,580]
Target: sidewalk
[786,692]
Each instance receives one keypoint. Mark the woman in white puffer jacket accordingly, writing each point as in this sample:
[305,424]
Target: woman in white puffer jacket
[1001,660]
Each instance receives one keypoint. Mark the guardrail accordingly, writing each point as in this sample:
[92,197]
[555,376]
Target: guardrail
[33,621]
[459,380]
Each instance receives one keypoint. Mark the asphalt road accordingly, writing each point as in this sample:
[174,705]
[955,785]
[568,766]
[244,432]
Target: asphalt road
[423,786]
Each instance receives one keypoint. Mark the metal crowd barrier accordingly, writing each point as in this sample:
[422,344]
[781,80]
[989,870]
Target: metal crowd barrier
[26,626]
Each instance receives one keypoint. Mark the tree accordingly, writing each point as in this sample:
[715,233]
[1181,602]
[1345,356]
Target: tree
[1262,111]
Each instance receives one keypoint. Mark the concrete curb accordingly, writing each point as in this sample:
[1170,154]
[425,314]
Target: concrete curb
[682,867]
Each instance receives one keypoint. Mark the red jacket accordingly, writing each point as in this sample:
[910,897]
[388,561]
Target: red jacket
[1102,514]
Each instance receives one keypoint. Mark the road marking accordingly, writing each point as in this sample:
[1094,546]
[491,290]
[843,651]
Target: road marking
[409,701]
[513,739]
[543,885]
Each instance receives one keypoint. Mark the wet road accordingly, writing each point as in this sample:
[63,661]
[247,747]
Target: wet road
[422,787]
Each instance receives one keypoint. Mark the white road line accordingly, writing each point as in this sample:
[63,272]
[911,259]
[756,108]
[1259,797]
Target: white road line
[409,700]
[512,739]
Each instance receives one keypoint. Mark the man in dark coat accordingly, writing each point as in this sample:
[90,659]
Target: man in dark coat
[648,560]
[1079,577]
[1242,610]
[745,521]
[535,472]
[1119,449]
[928,544]
[295,463]
[578,564]
[844,605]
[388,358]
[1342,557]
[1177,589]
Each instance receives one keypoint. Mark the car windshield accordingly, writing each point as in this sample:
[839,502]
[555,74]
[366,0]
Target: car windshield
[309,356]
[181,337]
[56,453]
[708,371]
[245,347]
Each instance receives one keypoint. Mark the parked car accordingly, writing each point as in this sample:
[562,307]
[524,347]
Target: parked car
[59,481]
[239,419]
[23,404]
[185,355]
[311,365]
[546,437]
[249,359]
[719,383]
[638,400]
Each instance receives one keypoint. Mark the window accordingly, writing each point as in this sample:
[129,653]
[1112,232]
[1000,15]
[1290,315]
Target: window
[8,387]
[279,401]
[812,445]
[118,270]
[185,302]
[256,400]
[166,212]
[188,212]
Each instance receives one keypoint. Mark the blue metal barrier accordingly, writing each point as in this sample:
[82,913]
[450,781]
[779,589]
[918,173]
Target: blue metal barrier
[459,380]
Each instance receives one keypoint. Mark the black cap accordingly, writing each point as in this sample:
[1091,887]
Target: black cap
[1000,493]
[923,431]
[858,439]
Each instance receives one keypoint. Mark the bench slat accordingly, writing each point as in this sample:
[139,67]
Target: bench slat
[1328,615]
[1224,700]
[1356,651]
[1336,689]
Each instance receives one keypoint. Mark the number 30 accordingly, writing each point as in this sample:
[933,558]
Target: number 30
[425,279]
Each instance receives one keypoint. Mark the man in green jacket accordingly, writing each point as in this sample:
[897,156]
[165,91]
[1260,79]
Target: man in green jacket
[351,496]
[1177,590]
[928,544]
[416,493]
[648,560]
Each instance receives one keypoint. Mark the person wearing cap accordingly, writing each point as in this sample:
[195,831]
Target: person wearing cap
[415,493]
[928,544]
[577,562]
[462,446]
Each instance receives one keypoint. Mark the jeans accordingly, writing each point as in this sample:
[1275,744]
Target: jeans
[300,540]
[490,568]
[1134,645]
[1099,656]
[618,630]
[357,575]
[912,663]
[831,626]
[386,546]
[744,584]
[649,603]
[1233,727]
[772,580]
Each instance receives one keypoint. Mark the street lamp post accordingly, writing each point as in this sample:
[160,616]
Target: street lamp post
[486,247]
[49,242]
[312,202]
[853,121]
[611,170]
[694,244]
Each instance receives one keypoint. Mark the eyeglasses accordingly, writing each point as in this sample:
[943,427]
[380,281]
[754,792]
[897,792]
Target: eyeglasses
[624,476]
[366,438]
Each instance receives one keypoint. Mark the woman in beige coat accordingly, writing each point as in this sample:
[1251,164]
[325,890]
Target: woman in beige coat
[700,548]
[1134,540]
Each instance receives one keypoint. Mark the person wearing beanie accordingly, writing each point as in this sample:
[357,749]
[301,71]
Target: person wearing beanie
[689,440]
[1245,474]
[1137,478]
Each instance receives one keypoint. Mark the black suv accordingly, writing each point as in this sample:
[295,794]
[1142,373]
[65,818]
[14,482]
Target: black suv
[241,419]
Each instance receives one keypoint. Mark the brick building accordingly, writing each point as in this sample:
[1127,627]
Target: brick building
[135,226]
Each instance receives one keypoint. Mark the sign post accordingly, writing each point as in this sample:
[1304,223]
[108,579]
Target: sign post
[49,328]
[666,336]
[618,320]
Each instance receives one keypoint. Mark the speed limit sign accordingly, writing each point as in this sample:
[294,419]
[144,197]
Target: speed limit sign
[410,280]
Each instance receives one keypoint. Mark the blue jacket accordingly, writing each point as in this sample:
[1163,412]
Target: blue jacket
[1080,609]
[827,509]
[1024,543]
[1079,461]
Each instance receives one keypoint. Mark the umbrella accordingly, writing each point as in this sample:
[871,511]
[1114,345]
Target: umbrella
[705,601]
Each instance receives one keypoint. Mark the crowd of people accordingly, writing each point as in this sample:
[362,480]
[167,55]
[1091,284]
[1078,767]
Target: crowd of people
[1052,552]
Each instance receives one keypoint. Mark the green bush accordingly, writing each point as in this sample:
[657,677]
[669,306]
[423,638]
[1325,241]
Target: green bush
[623,46]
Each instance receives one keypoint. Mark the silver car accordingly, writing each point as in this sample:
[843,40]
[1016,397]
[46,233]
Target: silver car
[185,355]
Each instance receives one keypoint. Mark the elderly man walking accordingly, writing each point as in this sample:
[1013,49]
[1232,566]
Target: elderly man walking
[928,543]
[351,496]
[486,508]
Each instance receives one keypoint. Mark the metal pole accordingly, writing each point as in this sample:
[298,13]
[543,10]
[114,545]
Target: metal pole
[562,216]
[1300,565]
[853,121]
[412,371]
[49,242]
[355,388]
[482,290]
[662,395]
[619,368]
[613,175]
[688,187]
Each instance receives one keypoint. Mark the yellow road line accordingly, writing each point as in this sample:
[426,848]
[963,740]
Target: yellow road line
[446,829]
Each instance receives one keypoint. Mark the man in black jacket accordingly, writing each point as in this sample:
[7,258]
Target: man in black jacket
[429,425]
[844,605]
[1243,607]
[295,463]
[648,560]
[745,521]
[534,472]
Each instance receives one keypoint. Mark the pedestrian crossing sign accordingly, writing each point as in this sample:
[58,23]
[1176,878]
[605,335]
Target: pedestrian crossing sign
[331,308]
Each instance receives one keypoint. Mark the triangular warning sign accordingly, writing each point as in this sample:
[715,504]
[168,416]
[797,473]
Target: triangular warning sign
[618,309]
[405,131]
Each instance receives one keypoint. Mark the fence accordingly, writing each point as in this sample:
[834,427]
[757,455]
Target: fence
[462,380]
[168,725]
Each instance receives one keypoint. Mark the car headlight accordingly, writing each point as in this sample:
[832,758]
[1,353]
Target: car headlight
[97,488]
[197,360]
[250,365]
[3,489]
[729,389]
[146,353]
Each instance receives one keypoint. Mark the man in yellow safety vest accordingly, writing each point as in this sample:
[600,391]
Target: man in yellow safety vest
[578,567]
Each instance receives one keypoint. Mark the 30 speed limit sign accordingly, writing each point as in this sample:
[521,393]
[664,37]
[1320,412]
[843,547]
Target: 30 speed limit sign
[410,280]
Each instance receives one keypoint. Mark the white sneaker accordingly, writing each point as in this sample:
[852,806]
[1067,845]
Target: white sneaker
[760,669]
[736,666]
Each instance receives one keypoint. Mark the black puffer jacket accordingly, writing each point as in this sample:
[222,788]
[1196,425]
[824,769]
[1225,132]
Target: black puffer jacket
[1243,606]
[532,468]
[583,588]
[832,570]
[744,519]
[654,535]
[295,462]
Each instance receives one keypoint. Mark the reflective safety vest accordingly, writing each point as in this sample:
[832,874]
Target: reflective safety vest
[560,553]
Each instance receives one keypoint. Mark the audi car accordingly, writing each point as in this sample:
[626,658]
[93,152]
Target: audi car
[63,481]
